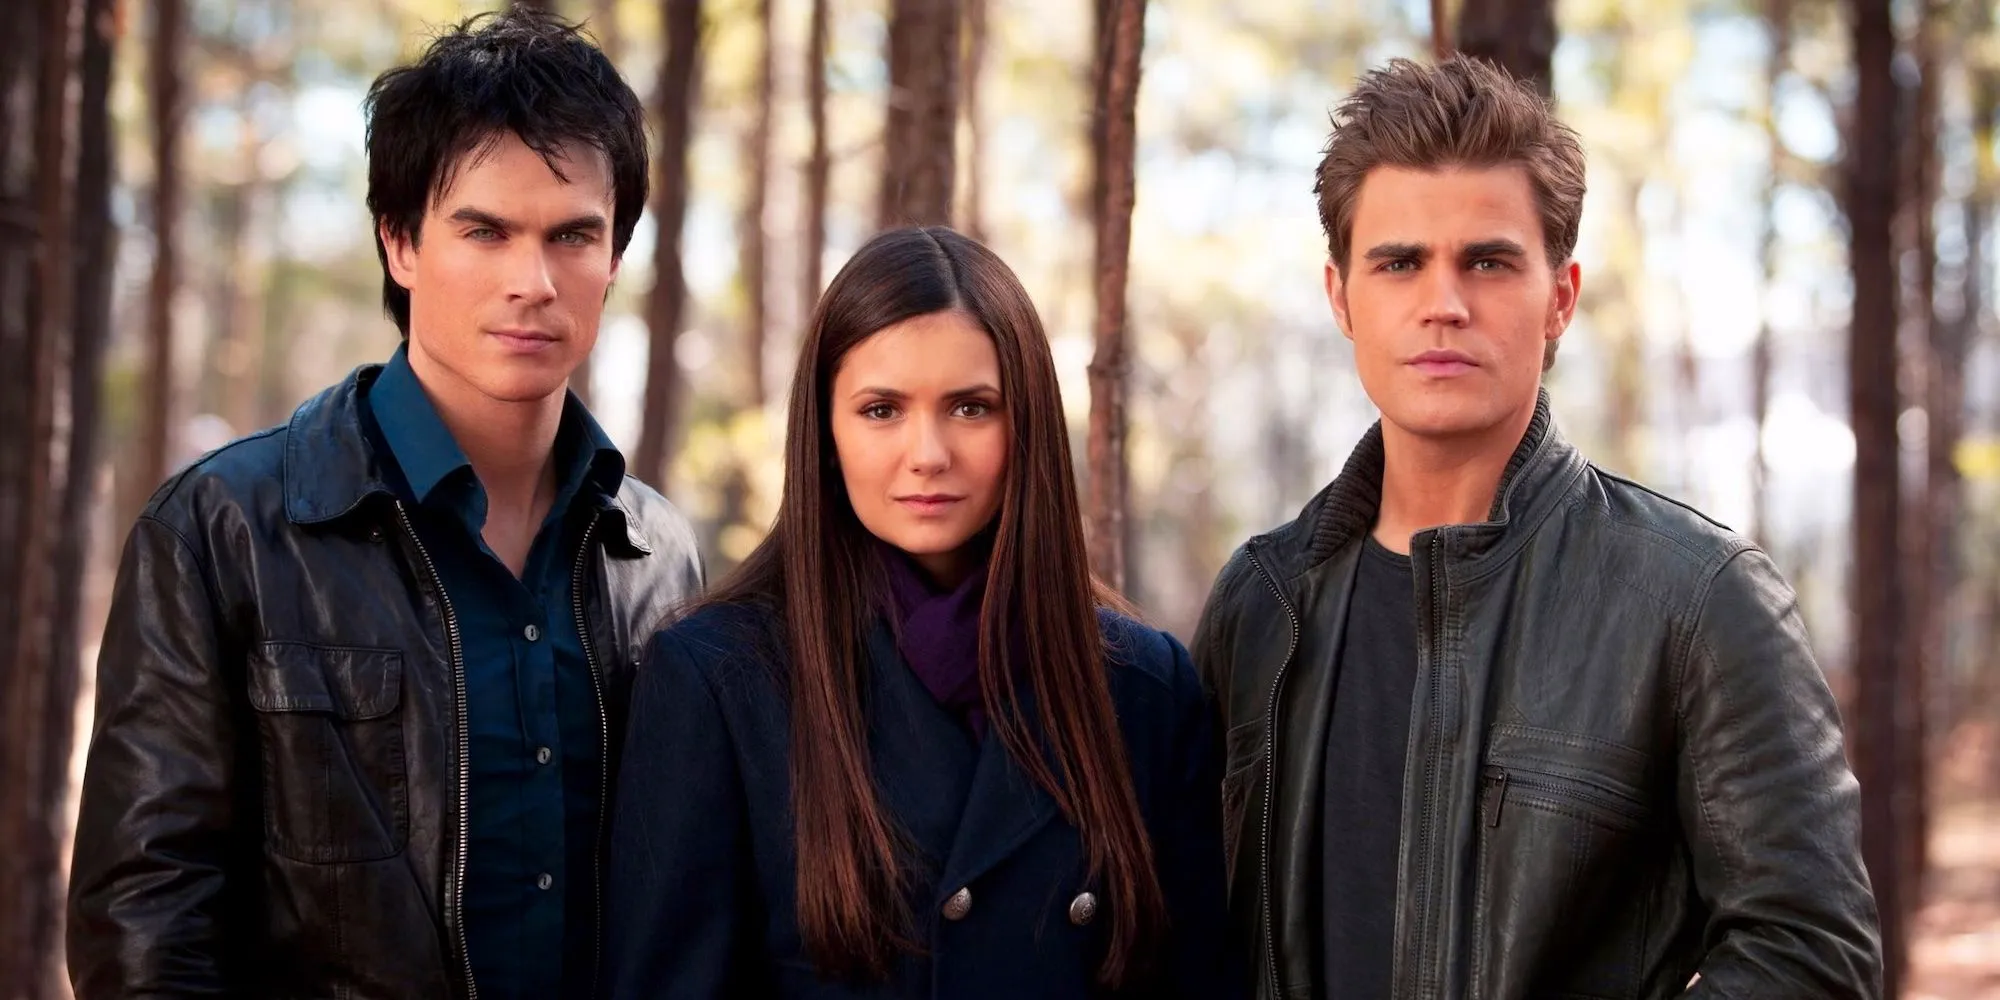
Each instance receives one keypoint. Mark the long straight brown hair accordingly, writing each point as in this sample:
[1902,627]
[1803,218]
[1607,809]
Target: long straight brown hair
[821,568]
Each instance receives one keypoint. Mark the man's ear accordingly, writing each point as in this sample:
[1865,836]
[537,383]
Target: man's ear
[401,254]
[1569,287]
[1336,296]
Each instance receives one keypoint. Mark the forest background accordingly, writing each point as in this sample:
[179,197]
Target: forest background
[1788,314]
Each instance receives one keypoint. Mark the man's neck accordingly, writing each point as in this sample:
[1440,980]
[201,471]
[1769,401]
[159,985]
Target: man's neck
[1432,481]
[511,445]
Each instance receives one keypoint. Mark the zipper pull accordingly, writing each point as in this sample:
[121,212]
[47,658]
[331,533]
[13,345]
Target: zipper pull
[1496,800]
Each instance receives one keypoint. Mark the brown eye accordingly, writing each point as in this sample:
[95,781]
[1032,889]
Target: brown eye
[972,409]
[878,411]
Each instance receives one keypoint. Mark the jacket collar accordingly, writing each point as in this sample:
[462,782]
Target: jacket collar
[331,469]
[1537,476]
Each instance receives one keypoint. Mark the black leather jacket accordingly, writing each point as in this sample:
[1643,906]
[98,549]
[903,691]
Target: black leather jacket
[274,795]
[1624,766]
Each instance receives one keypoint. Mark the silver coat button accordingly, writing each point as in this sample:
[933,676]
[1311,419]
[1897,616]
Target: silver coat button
[958,905]
[544,880]
[1082,909]
[532,633]
[543,755]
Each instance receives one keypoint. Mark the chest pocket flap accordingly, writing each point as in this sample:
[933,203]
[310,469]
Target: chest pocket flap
[347,682]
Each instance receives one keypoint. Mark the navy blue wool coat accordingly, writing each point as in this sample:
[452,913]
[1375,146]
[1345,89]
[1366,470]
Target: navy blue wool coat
[701,891]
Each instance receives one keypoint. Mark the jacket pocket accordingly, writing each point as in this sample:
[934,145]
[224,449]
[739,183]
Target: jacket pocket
[335,786]
[1567,859]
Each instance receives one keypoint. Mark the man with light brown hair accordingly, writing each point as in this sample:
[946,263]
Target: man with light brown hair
[1501,724]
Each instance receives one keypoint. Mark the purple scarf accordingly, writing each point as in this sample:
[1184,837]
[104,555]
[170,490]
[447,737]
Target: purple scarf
[938,634]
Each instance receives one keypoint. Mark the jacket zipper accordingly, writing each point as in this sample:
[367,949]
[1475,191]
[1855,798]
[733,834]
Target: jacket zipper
[1433,753]
[456,913]
[1271,776]
[1573,789]
[603,749]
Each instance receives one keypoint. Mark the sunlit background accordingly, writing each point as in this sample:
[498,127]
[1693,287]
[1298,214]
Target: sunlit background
[1713,220]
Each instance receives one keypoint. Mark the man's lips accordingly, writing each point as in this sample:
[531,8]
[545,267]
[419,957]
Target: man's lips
[1443,363]
[524,340]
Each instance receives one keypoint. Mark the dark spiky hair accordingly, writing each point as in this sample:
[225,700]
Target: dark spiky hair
[522,71]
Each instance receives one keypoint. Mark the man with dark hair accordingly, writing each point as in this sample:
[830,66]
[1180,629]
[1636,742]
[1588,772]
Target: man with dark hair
[364,672]
[1501,724]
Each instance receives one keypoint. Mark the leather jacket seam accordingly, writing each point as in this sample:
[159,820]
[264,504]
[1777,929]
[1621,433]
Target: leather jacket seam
[1694,644]
[205,568]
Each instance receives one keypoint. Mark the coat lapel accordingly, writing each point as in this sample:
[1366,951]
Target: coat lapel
[1003,809]
[924,761]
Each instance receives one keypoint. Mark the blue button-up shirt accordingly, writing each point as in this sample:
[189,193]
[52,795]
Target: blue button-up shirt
[536,722]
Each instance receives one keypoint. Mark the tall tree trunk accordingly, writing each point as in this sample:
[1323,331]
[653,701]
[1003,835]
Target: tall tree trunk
[1440,31]
[1120,34]
[754,244]
[1518,35]
[169,112]
[920,131]
[1871,202]
[974,223]
[679,89]
[819,164]
[92,331]
[1919,202]
[30,891]
[1778,24]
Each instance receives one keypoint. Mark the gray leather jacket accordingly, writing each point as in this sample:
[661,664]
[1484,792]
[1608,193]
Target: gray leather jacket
[1624,766]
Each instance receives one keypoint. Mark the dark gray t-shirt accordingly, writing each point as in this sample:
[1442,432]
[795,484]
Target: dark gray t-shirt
[1361,814]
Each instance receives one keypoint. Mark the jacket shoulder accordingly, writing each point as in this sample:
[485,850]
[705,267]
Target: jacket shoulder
[246,474]
[1146,655]
[725,642]
[657,519]
[1677,543]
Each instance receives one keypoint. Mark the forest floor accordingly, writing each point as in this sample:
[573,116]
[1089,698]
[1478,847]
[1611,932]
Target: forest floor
[1955,949]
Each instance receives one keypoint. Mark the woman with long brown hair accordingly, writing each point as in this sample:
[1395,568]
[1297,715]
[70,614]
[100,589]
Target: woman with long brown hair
[910,749]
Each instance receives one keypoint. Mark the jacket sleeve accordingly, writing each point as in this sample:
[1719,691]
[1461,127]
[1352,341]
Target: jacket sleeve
[1215,632]
[1769,807]
[680,886]
[160,812]
[1201,953]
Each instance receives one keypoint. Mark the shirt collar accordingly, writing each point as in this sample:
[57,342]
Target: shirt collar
[427,454]
[417,437]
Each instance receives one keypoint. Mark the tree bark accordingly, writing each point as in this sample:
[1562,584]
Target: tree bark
[1120,35]
[1440,31]
[30,887]
[920,131]
[1919,197]
[169,112]
[679,89]
[1517,35]
[1871,202]
[94,262]
[976,12]
[819,164]
[754,245]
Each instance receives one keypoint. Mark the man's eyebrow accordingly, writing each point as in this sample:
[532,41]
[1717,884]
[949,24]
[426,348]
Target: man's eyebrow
[1397,251]
[1493,248]
[589,222]
[481,217]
